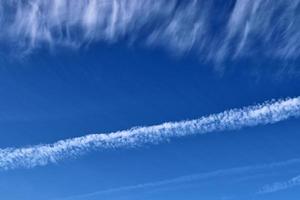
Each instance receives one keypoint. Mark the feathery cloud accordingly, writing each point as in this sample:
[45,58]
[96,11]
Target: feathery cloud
[239,28]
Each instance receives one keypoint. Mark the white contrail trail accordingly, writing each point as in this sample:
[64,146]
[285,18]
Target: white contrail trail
[278,186]
[266,113]
[189,178]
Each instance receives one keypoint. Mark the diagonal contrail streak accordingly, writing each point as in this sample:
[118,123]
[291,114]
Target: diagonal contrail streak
[278,186]
[189,178]
[265,113]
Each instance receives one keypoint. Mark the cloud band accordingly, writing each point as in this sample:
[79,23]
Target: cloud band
[237,28]
[266,113]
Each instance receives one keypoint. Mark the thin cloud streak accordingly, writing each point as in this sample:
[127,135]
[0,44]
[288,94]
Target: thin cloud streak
[278,186]
[214,31]
[189,178]
[39,155]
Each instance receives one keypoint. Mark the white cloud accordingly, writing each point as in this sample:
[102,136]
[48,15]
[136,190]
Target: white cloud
[215,31]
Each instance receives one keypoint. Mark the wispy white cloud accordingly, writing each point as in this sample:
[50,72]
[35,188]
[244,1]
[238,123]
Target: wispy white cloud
[215,31]
[266,113]
[189,178]
[278,186]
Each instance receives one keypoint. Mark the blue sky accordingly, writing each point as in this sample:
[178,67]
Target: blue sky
[151,63]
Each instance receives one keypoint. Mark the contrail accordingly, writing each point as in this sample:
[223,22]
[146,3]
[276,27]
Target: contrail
[278,186]
[266,113]
[189,178]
